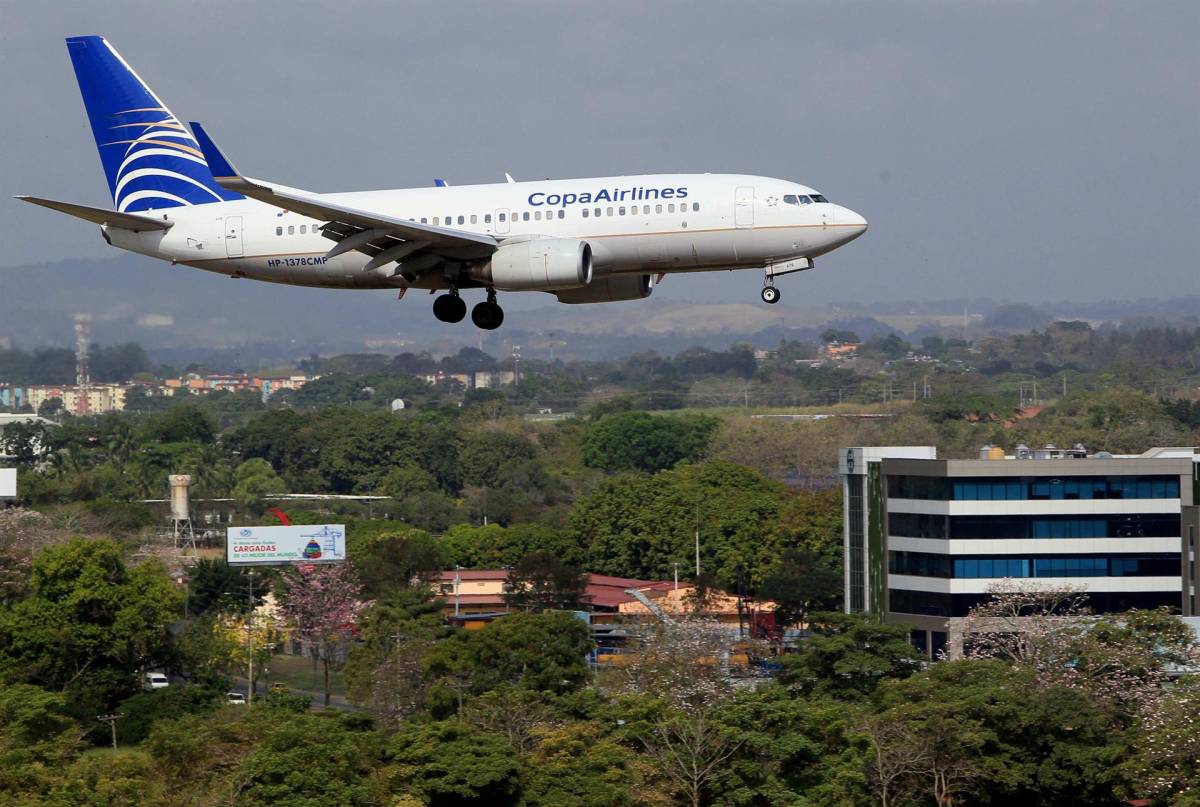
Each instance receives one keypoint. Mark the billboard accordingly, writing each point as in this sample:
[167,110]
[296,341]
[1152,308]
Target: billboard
[308,543]
[8,483]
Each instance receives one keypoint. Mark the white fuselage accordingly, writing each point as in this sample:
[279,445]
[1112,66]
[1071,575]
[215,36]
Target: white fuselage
[719,221]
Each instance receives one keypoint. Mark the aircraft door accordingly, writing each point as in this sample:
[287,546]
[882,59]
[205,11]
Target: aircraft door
[502,221]
[743,206]
[233,236]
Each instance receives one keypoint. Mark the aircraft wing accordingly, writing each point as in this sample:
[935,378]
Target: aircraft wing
[111,218]
[384,237]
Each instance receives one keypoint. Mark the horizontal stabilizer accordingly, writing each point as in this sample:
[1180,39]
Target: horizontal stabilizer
[110,218]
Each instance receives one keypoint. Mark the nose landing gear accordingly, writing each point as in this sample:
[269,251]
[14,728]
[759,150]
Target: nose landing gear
[450,307]
[770,294]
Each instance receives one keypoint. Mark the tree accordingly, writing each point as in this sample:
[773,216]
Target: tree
[679,666]
[847,656]
[389,561]
[90,625]
[541,652]
[255,480]
[493,546]
[1165,763]
[1120,660]
[986,731]
[449,764]
[644,442]
[640,526]
[323,602]
[38,740]
[802,582]
[51,407]
[307,759]
[484,455]
[385,671]
[214,585]
[541,581]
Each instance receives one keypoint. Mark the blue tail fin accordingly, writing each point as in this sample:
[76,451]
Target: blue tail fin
[149,158]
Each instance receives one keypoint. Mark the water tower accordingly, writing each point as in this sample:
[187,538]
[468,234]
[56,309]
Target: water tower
[181,517]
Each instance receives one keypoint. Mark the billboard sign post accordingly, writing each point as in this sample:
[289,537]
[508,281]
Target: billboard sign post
[308,543]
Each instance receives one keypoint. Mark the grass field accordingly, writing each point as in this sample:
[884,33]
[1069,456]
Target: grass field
[297,672]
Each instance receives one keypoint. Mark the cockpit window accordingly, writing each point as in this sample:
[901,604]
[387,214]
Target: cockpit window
[793,199]
[816,197]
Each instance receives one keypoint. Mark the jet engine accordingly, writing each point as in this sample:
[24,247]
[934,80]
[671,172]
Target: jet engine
[546,264]
[610,289]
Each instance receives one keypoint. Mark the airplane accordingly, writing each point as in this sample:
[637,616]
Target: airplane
[177,197]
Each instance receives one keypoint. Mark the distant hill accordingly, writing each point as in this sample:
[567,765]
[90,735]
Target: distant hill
[181,314]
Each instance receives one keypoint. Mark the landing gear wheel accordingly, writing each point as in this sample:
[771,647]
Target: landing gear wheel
[449,308]
[770,294]
[487,316]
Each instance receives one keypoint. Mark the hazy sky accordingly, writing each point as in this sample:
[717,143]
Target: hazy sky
[1021,150]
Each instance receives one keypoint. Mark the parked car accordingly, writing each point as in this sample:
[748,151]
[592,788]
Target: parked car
[235,699]
[280,688]
[157,680]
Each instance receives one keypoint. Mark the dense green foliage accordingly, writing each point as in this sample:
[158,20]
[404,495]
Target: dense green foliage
[512,713]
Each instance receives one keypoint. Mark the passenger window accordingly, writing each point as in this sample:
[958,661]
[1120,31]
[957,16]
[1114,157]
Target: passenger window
[436,221]
[596,213]
[695,206]
[562,214]
[609,213]
[671,208]
[487,218]
[646,209]
[291,229]
[585,212]
[525,216]
[474,219]
[462,220]
[658,208]
[537,215]
[278,231]
[423,221]
[621,211]
[303,229]
[503,217]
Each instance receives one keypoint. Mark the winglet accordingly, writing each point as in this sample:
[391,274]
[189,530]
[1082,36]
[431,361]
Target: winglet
[223,171]
[440,183]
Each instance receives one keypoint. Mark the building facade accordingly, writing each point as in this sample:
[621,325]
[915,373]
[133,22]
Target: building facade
[926,539]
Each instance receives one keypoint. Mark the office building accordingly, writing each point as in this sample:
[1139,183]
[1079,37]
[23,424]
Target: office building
[926,539]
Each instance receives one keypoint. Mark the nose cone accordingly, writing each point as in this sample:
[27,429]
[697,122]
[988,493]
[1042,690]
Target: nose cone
[852,224]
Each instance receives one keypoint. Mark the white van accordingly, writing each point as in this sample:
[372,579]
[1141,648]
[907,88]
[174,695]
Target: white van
[156,680]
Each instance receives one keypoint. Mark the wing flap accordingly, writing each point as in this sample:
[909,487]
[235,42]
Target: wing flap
[98,215]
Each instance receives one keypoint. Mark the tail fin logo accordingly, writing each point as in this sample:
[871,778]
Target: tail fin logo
[150,159]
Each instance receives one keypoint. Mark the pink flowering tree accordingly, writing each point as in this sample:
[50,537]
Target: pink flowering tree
[323,603]
[1121,659]
[1165,764]
[684,671]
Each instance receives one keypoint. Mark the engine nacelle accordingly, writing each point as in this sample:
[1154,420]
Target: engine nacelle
[546,264]
[609,290]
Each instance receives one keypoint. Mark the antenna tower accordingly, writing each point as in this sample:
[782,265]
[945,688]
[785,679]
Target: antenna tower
[83,378]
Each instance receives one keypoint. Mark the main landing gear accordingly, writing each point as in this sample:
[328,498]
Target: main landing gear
[486,315]
[450,307]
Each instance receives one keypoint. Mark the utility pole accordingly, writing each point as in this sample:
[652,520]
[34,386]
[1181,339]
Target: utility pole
[676,565]
[111,720]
